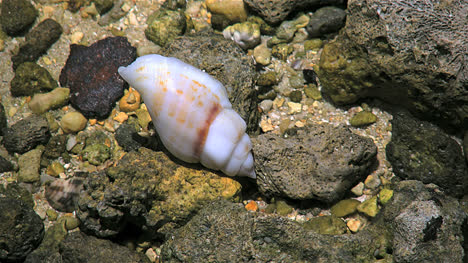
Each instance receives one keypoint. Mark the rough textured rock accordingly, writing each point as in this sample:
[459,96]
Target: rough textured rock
[410,54]
[326,20]
[26,134]
[30,78]
[55,147]
[426,224]
[60,247]
[5,165]
[29,164]
[226,232]
[421,151]
[150,191]
[17,16]
[164,26]
[37,42]
[21,229]
[275,11]
[320,162]
[128,138]
[91,74]
[226,62]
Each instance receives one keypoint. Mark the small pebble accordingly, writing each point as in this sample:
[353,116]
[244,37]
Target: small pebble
[73,122]
[385,195]
[151,254]
[294,107]
[262,55]
[369,207]
[51,214]
[76,37]
[251,206]
[278,102]
[358,189]
[143,117]
[130,101]
[372,181]
[266,105]
[363,118]
[299,124]
[71,222]
[266,125]
[344,207]
[54,169]
[121,117]
[354,225]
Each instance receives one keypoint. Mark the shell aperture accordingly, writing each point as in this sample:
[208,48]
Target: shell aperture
[192,114]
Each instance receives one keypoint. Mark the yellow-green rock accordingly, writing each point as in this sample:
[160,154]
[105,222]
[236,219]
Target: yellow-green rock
[233,10]
[363,118]
[51,214]
[369,207]
[71,222]
[313,44]
[344,207]
[55,168]
[311,91]
[326,225]
[385,195]
[73,122]
[282,208]
[246,35]
[41,103]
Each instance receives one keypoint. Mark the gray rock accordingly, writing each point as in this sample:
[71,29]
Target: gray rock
[17,16]
[420,65]
[26,134]
[5,165]
[226,62]
[3,119]
[421,151]
[320,162]
[326,20]
[128,138]
[426,224]
[226,232]
[21,229]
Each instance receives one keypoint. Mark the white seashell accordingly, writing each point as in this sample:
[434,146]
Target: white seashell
[192,114]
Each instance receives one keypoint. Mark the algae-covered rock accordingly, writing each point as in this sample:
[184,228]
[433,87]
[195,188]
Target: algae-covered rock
[226,232]
[287,29]
[233,10]
[326,225]
[30,78]
[164,26]
[344,207]
[17,16]
[246,35]
[385,195]
[311,91]
[150,191]
[282,51]
[96,154]
[418,65]
[369,207]
[29,164]
[313,44]
[363,118]
[422,151]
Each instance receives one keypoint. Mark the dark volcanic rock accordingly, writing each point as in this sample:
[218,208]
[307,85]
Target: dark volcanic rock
[55,147]
[149,191]
[26,134]
[17,16]
[91,74]
[5,165]
[3,119]
[128,138]
[226,62]
[413,55]
[37,42]
[226,232]
[426,224]
[421,151]
[21,229]
[30,78]
[319,162]
[326,20]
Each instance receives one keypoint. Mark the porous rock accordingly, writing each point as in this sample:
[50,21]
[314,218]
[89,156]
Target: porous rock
[37,42]
[275,11]
[421,151]
[164,26]
[17,16]
[150,191]
[319,162]
[226,62]
[22,229]
[30,78]
[91,74]
[26,134]
[426,224]
[29,164]
[226,232]
[418,64]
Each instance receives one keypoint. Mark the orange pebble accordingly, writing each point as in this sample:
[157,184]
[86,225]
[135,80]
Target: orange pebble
[251,206]
[92,121]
